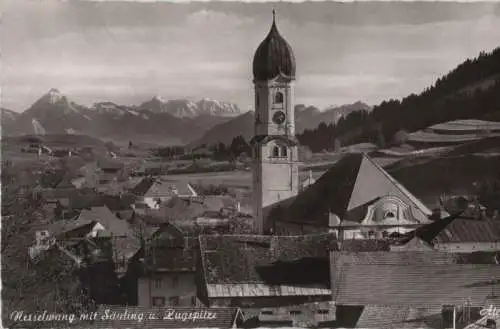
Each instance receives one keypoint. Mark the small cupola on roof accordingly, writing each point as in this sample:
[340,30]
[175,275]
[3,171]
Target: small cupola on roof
[273,57]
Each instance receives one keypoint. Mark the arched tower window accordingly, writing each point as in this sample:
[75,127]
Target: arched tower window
[278,98]
[284,151]
[276,151]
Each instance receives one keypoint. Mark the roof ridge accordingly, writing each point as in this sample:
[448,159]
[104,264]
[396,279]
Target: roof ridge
[353,186]
[400,187]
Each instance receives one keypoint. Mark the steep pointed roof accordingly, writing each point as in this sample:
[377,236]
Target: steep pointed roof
[273,57]
[346,190]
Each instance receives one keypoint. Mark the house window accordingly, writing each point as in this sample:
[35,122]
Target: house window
[158,301]
[385,234]
[284,152]
[157,283]
[371,234]
[266,312]
[295,312]
[278,98]
[175,282]
[276,151]
[322,311]
[173,301]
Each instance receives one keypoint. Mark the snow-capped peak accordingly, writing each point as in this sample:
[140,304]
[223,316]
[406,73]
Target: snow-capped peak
[160,99]
[54,96]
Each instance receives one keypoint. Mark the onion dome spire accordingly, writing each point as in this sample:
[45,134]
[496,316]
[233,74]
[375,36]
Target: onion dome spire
[273,57]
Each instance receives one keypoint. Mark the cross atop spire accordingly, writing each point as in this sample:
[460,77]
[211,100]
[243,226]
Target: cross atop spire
[274,14]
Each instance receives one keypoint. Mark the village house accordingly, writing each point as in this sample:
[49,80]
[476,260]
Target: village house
[379,289]
[356,198]
[168,268]
[98,224]
[155,191]
[265,274]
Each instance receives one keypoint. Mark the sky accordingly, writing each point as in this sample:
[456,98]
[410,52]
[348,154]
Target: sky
[127,52]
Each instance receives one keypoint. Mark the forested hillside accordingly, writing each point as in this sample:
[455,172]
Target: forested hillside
[472,90]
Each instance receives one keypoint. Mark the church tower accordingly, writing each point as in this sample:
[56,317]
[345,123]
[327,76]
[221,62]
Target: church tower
[275,148]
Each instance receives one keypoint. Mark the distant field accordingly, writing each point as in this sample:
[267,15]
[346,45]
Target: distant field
[241,179]
[430,137]
[470,125]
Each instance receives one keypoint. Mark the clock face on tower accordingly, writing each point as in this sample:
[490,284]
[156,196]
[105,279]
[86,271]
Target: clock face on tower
[279,117]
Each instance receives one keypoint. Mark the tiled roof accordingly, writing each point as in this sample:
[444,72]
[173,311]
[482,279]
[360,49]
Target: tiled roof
[103,215]
[125,243]
[239,260]
[67,225]
[345,190]
[400,317]
[469,230]
[411,278]
[168,318]
[453,229]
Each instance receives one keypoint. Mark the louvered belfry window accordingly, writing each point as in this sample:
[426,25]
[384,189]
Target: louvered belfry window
[278,98]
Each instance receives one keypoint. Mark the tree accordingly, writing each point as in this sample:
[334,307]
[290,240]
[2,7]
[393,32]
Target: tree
[238,146]
[400,137]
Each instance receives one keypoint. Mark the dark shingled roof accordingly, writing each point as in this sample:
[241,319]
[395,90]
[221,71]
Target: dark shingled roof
[237,258]
[360,245]
[143,187]
[273,57]
[411,278]
[455,229]
[171,259]
[400,317]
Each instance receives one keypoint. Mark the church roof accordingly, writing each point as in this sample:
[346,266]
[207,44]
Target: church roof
[273,57]
[346,190]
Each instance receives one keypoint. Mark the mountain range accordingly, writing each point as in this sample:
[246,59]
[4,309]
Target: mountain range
[306,117]
[159,121]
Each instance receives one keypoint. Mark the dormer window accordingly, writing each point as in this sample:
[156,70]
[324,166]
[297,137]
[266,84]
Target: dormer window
[389,214]
[278,98]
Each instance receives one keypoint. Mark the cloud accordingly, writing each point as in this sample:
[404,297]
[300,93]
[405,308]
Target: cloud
[127,52]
